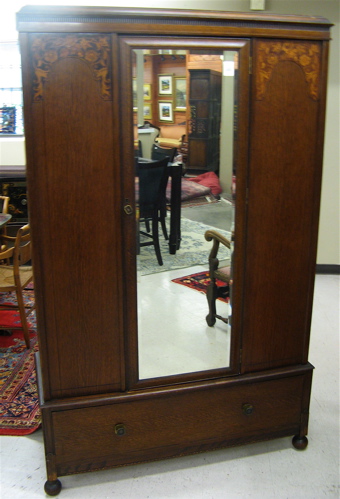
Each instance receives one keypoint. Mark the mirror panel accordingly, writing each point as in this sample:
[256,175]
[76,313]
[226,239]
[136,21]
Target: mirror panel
[190,96]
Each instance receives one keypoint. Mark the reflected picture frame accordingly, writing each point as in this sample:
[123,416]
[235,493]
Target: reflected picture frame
[165,84]
[165,110]
[147,91]
[147,111]
[180,94]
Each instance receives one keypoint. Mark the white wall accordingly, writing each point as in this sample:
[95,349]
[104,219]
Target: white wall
[329,233]
[12,152]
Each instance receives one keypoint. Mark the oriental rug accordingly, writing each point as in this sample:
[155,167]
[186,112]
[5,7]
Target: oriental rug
[194,249]
[200,201]
[198,282]
[19,410]
[11,319]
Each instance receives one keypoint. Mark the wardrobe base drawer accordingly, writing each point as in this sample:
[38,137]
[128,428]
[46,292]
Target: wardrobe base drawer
[142,427]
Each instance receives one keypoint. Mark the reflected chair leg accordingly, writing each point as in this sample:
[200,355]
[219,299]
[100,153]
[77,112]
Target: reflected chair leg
[23,319]
[162,220]
[211,297]
[155,236]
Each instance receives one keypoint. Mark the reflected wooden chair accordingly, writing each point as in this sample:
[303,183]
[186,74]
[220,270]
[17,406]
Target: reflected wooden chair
[171,135]
[217,273]
[17,276]
[153,179]
[4,202]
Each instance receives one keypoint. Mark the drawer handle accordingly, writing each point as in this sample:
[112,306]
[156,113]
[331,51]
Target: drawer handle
[247,409]
[120,430]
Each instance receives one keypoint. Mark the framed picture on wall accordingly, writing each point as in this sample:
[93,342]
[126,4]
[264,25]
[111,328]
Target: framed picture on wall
[165,86]
[147,91]
[180,94]
[147,111]
[7,119]
[165,111]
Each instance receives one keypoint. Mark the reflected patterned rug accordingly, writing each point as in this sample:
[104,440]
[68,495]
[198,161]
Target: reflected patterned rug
[198,281]
[194,250]
[200,201]
[19,411]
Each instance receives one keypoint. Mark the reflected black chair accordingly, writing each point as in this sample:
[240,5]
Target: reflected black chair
[158,152]
[153,179]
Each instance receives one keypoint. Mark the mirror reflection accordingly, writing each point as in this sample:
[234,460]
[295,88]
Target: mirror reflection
[184,109]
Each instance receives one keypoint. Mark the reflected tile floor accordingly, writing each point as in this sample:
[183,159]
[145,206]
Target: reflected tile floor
[177,339]
[273,470]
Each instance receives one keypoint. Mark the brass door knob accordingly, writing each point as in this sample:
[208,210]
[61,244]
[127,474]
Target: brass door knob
[128,209]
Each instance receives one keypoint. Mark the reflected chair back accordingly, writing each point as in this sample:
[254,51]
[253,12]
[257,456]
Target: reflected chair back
[153,179]
[158,152]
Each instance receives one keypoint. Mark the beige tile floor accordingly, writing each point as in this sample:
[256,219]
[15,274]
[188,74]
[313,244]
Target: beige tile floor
[273,470]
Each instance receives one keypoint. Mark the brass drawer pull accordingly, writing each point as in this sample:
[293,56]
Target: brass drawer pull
[247,409]
[120,430]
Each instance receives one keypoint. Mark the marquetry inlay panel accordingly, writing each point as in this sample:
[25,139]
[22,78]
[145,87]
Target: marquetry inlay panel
[94,50]
[306,55]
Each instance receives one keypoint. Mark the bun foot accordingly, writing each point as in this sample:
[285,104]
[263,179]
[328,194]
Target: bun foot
[52,488]
[300,443]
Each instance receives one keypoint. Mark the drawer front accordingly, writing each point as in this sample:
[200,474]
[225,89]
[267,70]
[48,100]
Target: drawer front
[175,423]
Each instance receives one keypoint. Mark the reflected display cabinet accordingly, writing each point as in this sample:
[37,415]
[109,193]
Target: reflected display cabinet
[100,405]
[205,118]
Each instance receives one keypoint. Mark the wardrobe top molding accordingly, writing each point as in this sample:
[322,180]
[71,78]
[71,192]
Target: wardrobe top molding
[170,21]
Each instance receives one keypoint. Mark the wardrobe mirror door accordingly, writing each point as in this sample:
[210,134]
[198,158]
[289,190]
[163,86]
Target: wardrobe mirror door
[184,105]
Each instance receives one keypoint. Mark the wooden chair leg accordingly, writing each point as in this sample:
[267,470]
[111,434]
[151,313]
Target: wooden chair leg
[211,298]
[23,318]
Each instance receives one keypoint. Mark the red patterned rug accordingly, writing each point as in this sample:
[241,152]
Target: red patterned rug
[19,411]
[198,281]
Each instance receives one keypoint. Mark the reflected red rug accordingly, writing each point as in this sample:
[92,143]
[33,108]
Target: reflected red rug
[198,281]
[19,411]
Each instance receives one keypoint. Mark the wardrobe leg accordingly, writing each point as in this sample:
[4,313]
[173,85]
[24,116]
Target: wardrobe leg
[300,443]
[52,488]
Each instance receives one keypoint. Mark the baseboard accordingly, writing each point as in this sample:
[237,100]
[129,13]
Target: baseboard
[327,268]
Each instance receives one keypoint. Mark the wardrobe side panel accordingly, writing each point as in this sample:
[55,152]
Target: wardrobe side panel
[74,178]
[284,180]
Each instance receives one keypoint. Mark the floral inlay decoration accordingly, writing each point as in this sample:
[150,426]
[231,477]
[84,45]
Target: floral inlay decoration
[92,49]
[306,55]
